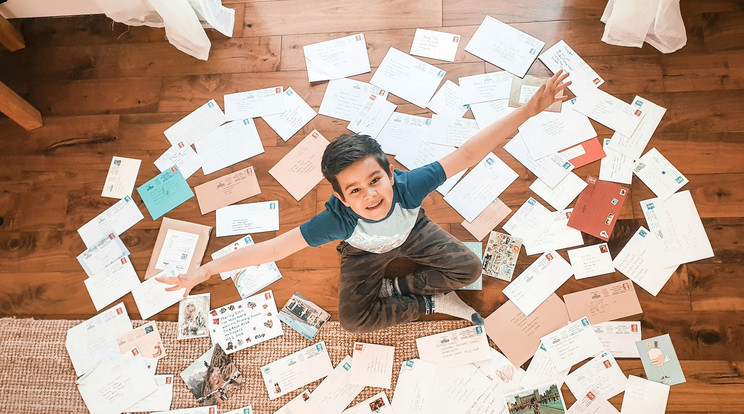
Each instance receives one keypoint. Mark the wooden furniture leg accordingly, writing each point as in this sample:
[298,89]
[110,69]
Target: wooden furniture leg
[9,36]
[17,109]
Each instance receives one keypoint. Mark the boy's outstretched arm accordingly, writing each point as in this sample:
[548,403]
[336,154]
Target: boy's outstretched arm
[256,254]
[480,144]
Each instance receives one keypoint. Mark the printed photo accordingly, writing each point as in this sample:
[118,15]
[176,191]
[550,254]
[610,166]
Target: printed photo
[192,317]
[211,377]
[543,399]
[303,316]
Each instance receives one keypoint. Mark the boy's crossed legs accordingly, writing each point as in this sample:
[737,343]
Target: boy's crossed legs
[445,265]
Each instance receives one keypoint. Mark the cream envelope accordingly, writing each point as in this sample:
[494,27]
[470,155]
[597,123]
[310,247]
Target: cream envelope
[146,338]
[619,337]
[227,190]
[295,370]
[572,344]
[517,335]
[414,387]
[457,388]
[604,303]
[299,170]
[453,348]
[121,177]
[372,365]
[201,231]
[601,375]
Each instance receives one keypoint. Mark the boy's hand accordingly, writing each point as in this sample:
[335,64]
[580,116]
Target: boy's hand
[186,281]
[546,95]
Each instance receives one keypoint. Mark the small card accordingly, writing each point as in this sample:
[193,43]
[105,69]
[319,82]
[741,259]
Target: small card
[477,248]
[504,46]
[228,145]
[182,156]
[572,344]
[248,218]
[255,103]
[226,190]
[501,255]
[660,361]
[591,261]
[116,219]
[585,153]
[337,58]
[212,376]
[165,192]
[336,391]
[435,45]
[485,87]
[522,90]
[372,365]
[562,194]
[296,370]
[619,337]
[604,303]
[193,311]
[296,114]
[598,208]
[487,220]
[245,323]
[152,298]
[299,170]
[601,375]
[146,339]
[549,398]
[180,244]
[538,281]
[195,125]
[659,174]
[644,396]
[453,348]
[121,177]
[303,316]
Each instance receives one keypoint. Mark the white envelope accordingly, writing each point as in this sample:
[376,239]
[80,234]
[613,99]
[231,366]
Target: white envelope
[644,396]
[195,125]
[600,375]
[116,219]
[530,221]
[457,388]
[560,196]
[97,257]
[619,337]
[407,77]
[435,45]
[608,111]
[344,97]
[633,145]
[400,128]
[485,87]
[504,46]
[121,177]
[542,370]
[152,298]
[414,154]
[160,400]
[591,261]
[572,344]
[549,132]
[336,392]
[377,404]
[486,113]
[453,132]
[118,279]
[296,370]
[337,58]
[414,387]
[248,218]
[538,281]
[615,167]
[87,341]
[229,144]
[453,348]
[447,101]
[372,116]
[297,113]
[372,365]
[659,174]
[551,169]
[252,104]
[640,261]
[557,236]
[581,75]
[182,156]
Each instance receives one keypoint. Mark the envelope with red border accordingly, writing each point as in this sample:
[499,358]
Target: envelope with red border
[584,153]
[598,208]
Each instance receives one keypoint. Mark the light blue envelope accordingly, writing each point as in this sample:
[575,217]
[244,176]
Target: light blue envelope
[477,248]
[165,192]
[666,368]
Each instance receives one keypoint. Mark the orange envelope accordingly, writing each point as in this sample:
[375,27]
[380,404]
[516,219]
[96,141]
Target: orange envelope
[604,303]
[584,153]
[518,336]
[190,231]
[299,170]
[598,207]
[227,190]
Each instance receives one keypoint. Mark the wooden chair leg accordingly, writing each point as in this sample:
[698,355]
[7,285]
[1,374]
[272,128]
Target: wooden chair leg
[17,109]
[9,36]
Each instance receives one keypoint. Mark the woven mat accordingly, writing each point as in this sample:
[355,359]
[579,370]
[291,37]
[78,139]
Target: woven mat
[37,375]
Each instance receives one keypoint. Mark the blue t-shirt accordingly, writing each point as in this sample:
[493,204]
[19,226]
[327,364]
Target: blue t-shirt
[339,222]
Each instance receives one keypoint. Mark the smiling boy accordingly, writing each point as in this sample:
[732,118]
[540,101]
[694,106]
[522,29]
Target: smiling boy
[376,212]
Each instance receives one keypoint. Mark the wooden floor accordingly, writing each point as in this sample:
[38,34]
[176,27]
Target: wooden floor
[109,90]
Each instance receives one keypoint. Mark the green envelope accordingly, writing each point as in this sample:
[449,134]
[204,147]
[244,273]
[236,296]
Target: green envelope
[477,248]
[165,192]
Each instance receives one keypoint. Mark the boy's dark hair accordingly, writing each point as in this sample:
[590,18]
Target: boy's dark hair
[346,150]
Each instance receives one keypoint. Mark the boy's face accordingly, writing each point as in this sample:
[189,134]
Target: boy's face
[367,188]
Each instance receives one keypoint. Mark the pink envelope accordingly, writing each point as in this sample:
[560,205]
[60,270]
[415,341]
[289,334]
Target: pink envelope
[604,303]
[227,190]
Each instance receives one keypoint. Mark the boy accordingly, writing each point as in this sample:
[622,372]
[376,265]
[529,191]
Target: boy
[376,211]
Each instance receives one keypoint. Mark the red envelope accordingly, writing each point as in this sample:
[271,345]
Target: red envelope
[598,208]
[584,153]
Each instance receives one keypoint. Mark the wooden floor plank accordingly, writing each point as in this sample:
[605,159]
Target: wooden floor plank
[716,287]
[703,72]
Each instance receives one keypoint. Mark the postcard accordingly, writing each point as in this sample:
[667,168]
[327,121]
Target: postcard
[337,58]
[660,361]
[504,46]
[303,316]
[299,171]
[296,370]
[677,228]
[413,154]
[557,236]
[604,303]
[400,128]
[344,97]
[542,369]
[518,335]
[435,45]
[590,403]
[572,344]
[659,174]
[560,196]
[255,103]
[453,348]
[608,110]
[179,244]
[551,169]
[453,132]
[457,388]
[245,323]
[549,132]
[487,220]
[116,219]
[193,311]
[297,113]
[372,365]
[601,375]
[212,376]
[447,101]
[106,251]
[114,385]
[484,87]
[407,77]
[229,144]
[538,281]
[598,207]
[632,146]
[121,177]
[522,90]
[591,261]
[146,339]
[377,404]
[500,257]
[414,387]
[584,153]
[165,192]
[226,190]
[581,75]
[182,156]
[615,167]
[87,341]
[639,261]
[248,218]
[477,248]
[619,337]
[152,298]
[543,398]
[372,116]
[336,391]
[480,187]
[113,282]
[644,396]
[195,125]
[160,400]
[303,403]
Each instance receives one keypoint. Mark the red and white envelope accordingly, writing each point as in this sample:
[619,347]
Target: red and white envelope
[598,207]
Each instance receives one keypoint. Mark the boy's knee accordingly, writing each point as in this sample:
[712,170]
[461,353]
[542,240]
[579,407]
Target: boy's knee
[353,323]
[470,268]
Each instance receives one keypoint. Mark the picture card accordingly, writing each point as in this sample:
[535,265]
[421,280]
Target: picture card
[543,398]
[145,338]
[303,316]
[477,249]
[212,376]
[193,311]
[245,323]
[165,192]
[226,190]
[121,177]
[660,360]
[500,257]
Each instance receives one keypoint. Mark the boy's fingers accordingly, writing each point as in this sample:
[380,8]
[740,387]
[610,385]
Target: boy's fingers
[173,288]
